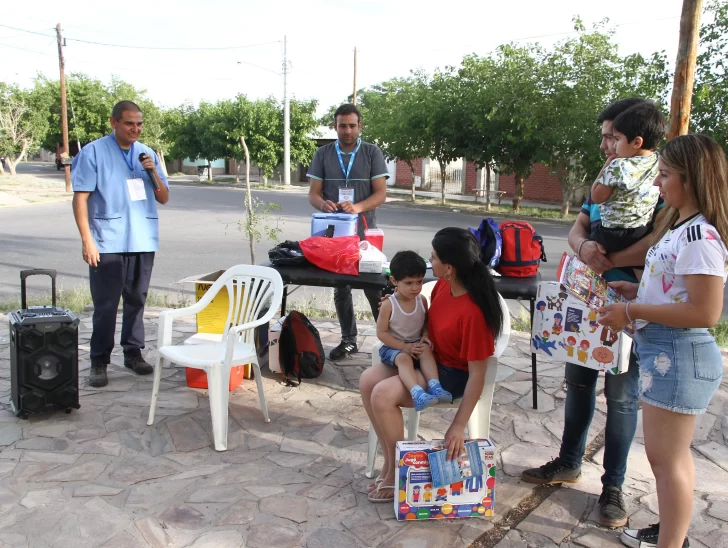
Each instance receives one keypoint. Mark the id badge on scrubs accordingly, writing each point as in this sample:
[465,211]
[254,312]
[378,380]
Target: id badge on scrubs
[136,189]
[346,195]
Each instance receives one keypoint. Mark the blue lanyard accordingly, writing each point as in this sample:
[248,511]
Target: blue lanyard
[128,160]
[347,170]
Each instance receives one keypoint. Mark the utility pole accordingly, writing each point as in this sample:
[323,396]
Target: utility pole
[682,88]
[64,112]
[286,121]
[354,76]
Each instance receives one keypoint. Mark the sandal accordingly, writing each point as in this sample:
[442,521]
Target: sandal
[373,486]
[383,499]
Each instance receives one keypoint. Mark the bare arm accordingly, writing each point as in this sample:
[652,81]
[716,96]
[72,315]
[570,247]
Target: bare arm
[89,250]
[589,251]
[601,193]
[455,436]
[161,195]
[316,197]
[378,197]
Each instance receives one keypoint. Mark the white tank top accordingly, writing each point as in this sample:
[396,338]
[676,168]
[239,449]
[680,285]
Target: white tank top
[405,326]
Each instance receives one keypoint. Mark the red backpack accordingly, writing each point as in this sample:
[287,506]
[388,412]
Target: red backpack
[301,354]
[522,250]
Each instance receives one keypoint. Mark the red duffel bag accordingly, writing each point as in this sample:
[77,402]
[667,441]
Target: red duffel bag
[339,255]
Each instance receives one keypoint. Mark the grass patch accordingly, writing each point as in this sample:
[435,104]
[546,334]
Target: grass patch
[522,322]
[177,174]
[79,297]
[720,332]
[500,210]
[323,308]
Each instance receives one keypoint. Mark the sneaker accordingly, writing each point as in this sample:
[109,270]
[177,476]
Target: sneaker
[138,365]
[552,472]
[645,538]
[344,350]
[612,512]
[435,389]
[98,377]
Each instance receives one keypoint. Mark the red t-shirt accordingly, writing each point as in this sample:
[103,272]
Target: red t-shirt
[457,329]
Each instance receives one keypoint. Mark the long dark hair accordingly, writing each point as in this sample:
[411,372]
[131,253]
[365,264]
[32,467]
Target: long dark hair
[459,248]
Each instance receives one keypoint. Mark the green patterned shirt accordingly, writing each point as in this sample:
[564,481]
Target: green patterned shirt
[633,201]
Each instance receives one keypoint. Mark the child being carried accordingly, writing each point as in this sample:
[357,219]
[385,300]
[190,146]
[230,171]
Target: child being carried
[402,328]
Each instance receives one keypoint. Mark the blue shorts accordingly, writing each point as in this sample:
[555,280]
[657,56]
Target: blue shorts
[388,355]
[680,369]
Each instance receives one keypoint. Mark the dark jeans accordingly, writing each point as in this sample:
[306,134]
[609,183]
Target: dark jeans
[622,396]
[119,275]
[345,310]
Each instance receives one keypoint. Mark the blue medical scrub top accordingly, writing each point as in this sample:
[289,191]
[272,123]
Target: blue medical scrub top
[118,224]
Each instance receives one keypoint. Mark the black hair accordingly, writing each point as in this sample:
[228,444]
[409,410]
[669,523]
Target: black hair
[121,107]
[345,109]
[618,107]
[642,120]
[407,264]
[459,248]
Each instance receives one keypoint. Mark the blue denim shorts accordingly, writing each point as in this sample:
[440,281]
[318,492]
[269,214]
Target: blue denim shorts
[680,369]
[387,355]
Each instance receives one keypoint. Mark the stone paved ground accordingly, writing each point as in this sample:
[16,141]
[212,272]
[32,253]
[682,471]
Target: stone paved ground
[101,477]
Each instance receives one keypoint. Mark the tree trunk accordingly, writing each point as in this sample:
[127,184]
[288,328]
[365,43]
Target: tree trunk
[265,180]
[442,179]
[162,163]
[487,186]
[209,171]
[248,201]
[519,194]
[414,190]
[237,171]
[12,164]
[2,167]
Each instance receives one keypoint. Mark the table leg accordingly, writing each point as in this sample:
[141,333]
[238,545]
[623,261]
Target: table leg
[285,299]
[534,381]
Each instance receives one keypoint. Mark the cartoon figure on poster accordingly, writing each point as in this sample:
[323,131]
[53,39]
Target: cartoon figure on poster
[593,325]
[456,488]
[441,494]
[569,346]
[540,308]
[608,337]
[543,343]
[416,493]
[556,328]
[583,353]
[428,493]
[474,484]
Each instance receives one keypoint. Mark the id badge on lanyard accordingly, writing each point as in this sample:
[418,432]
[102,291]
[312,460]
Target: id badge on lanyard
[346,194]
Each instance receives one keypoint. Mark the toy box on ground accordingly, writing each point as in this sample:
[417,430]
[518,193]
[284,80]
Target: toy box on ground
[566,329]
[344,224]
[417,496]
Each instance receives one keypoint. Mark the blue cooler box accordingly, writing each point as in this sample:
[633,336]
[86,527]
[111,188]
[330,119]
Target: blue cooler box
[344,224]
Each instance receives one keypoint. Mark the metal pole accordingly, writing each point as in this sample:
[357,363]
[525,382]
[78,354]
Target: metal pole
[286,121]
[64,112]
[682,89]
[354,101]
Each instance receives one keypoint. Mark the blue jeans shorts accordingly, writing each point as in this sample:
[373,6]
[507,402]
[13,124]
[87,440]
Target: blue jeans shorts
[451,379]
[680,369]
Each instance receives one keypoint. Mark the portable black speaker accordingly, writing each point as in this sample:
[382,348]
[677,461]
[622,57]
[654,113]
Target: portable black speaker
[43,355]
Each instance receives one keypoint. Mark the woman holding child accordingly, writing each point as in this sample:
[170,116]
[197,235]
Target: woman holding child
[463,321]
[679,297]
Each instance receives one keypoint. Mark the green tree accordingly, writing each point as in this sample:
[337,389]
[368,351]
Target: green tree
[517,113]
[710,96]
[22,127]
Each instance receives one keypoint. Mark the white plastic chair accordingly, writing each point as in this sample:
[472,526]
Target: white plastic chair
[250,289]
[479,422]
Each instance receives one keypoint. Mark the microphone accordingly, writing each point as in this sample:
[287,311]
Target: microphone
[150,172]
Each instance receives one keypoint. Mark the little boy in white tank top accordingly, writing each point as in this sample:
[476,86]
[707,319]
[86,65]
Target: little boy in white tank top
[402,328]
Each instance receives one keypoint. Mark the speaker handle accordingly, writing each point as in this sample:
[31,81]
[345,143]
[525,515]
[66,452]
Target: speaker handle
[34,272]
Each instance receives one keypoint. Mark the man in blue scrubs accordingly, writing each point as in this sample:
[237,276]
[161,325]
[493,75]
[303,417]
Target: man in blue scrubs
[115,206]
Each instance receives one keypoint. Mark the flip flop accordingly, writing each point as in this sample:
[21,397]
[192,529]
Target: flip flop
[385,499]
[372,486]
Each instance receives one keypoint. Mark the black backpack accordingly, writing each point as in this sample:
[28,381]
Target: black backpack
[300,351]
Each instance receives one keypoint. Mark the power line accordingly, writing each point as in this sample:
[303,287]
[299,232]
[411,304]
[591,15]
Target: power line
[28,50]
[146,47]
[258,67]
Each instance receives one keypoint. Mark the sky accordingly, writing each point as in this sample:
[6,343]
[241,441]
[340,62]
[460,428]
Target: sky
[392,37]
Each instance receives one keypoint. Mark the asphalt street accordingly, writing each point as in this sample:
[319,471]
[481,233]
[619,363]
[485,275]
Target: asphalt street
[198,231]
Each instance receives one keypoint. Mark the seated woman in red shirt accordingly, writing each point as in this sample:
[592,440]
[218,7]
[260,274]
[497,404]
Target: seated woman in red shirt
[464,319]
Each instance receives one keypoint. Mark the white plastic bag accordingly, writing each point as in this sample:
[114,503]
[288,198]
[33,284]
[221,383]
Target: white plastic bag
[371,260]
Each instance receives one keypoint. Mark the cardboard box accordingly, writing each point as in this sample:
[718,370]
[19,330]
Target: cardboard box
[565,328]
[371,259]
[212,320]
[416,498]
